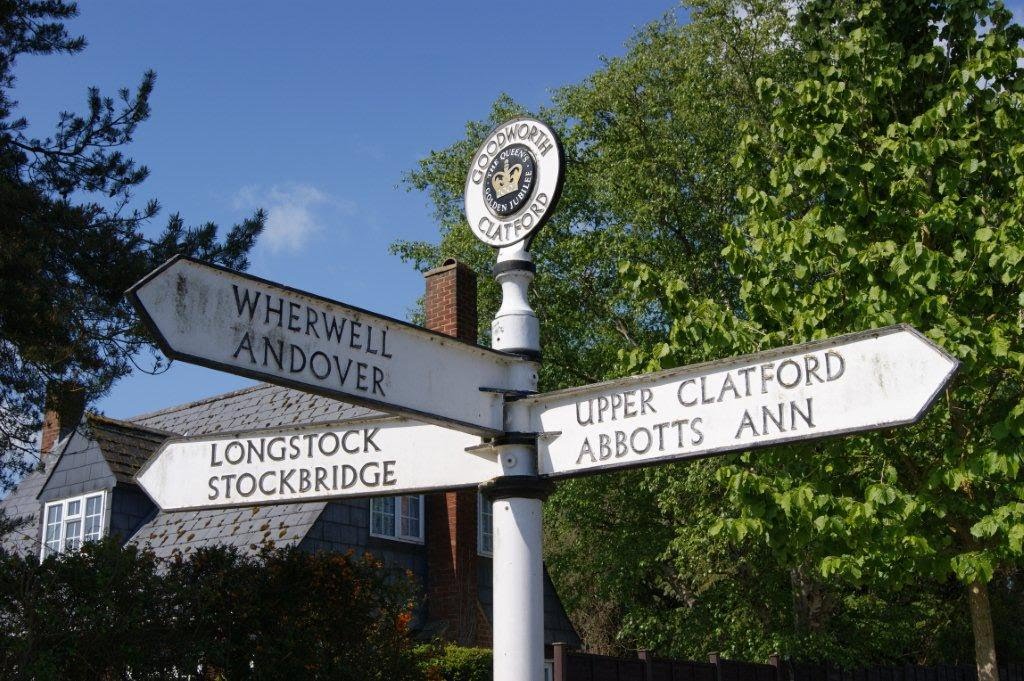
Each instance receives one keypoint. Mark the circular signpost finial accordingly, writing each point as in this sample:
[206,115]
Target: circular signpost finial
[514,182]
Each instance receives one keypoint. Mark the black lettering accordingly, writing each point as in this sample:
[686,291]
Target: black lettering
[767,414]
[646,395]
[369,340]
[227,484]
[293,316]
[245,302]
[747,422]
[270,449]
[214,492]
[263,489]
[326,367]
[370,479]
[354,336]
[305,481]
[286,476]
[767,375]
[254,447]
[727,384]
[782,381]
[361,376]
[368,439]
[227,452]
[807,417]
[586,450]
[321,479]
[679,393]
[632,441]
[346,480]
[311,317]
[839,370]
[704,397]
[323,449]
[746,377]
[279,311]
[344,442]
[342,375]
[213,456]
[378,377]
[590,414]
[268,349]
[698,434]
[811,365]
[333,329]
[293,349]
[245,344]
[628,406]
[249,480]
[388,479]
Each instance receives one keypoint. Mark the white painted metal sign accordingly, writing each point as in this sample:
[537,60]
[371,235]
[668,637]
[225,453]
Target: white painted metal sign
[221,319]
[863,381]
[358,458]
[514,182]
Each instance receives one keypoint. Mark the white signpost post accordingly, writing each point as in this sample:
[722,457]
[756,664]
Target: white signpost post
[225,320]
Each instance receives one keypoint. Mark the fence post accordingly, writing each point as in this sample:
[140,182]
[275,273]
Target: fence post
[775,661]
[647,657]
[559,653]
[715,659]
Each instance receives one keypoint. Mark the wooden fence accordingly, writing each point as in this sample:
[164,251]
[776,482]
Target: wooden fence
[570,665]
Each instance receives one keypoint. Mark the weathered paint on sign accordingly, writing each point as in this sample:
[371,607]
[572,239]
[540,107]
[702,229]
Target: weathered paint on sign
[221,319]
[863,381]
[358,458]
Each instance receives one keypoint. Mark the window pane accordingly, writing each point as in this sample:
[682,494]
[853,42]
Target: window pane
[75,507]
[486,526]
[72,534]
[382,516]
[411,517]
[93,518]
[53,525]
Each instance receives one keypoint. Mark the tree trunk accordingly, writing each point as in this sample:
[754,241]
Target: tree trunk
[984,639]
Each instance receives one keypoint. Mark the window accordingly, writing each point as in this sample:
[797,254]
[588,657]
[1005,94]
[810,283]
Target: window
[72,521]
[485,526]
[397,517]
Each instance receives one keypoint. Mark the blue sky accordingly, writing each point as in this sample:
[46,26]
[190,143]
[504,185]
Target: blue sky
[314,111]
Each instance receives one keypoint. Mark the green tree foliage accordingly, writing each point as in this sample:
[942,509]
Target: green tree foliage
[73,242]
[642,557]
[117,612]
[449,662]
[893,194]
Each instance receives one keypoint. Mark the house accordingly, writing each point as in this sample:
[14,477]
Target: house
[86,491]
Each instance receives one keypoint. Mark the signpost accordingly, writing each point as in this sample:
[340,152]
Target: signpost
[225,320]
[381,456]
[221,319]
[862,381]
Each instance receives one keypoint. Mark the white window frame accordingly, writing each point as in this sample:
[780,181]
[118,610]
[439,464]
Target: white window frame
[61,538]
[484,509]
[399,535]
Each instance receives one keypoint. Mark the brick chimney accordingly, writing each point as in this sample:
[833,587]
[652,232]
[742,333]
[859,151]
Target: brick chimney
[451,517]
[65,404]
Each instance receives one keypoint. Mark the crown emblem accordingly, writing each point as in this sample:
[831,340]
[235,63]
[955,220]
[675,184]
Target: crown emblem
[506,181]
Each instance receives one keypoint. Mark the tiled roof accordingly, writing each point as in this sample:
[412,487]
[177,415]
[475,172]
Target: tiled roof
[125,446]
[249,528]
[261,406]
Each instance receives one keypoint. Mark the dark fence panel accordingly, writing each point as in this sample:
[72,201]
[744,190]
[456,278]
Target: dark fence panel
[575,666]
